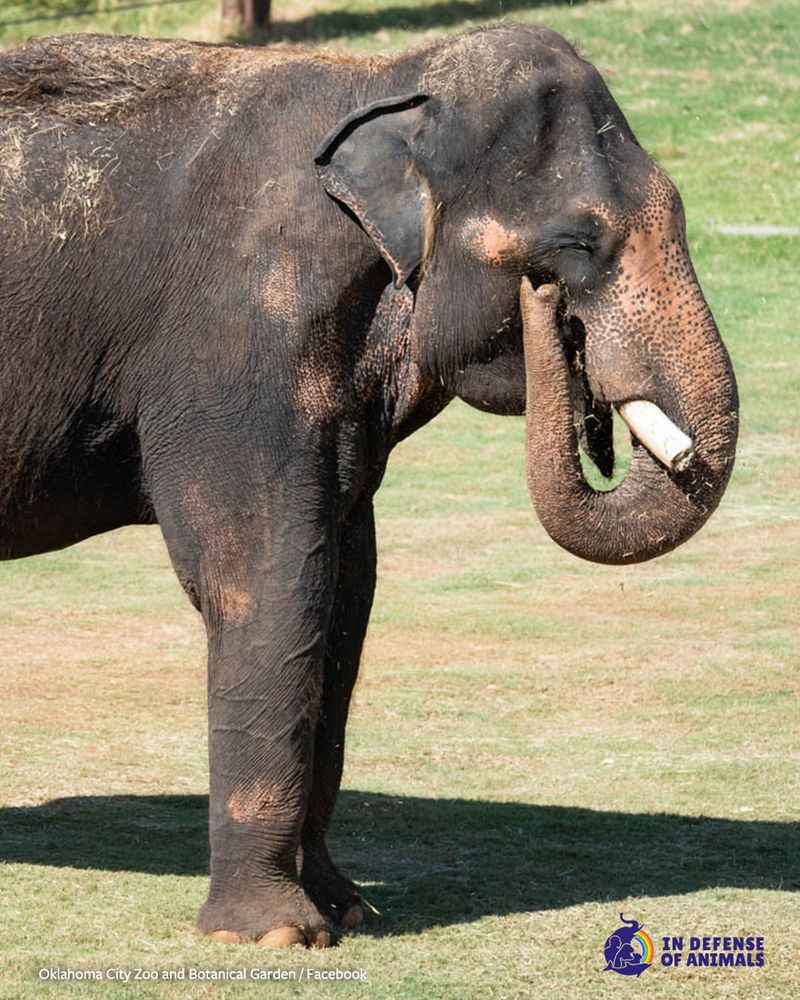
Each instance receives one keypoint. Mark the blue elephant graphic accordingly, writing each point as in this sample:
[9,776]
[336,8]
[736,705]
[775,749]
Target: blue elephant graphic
[620,954]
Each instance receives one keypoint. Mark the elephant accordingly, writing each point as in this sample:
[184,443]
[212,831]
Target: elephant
[234,278]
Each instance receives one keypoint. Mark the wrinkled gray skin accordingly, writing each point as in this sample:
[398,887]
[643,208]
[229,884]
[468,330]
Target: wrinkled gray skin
[233,279]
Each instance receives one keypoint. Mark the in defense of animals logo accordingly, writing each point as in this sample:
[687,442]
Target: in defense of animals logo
[629,950]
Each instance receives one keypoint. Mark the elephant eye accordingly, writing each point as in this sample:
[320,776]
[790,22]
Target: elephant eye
[582,246]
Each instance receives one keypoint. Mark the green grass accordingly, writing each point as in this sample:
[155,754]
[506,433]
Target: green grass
[198,19]
[536,743]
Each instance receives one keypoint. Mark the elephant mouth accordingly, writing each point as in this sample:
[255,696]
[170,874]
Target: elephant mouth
[593,418]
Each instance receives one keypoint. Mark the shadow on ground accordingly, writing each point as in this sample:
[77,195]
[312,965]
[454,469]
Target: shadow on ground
[428,862]
[318,27]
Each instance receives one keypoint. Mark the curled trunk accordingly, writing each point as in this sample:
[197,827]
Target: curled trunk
[653,510]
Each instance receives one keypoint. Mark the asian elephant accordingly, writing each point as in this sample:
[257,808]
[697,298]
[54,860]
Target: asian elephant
[232,279]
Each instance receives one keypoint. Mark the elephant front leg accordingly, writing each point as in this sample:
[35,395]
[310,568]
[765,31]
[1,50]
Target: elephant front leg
[332,892]
[266,651]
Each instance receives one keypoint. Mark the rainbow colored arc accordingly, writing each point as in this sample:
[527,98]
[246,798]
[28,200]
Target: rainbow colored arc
[645,942]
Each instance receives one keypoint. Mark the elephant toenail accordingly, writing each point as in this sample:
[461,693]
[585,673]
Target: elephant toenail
[282,937]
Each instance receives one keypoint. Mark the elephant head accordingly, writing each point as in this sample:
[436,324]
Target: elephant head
[501,163]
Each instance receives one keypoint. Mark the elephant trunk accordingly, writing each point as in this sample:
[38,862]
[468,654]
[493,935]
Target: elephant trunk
[655,508]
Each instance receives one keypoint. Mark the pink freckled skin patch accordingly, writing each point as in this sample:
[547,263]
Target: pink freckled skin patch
[490,241]
[258,802]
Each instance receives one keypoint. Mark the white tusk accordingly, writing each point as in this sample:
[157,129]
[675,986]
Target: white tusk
[658,434]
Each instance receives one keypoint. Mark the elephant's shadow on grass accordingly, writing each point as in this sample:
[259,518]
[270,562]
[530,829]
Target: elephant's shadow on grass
[432,862]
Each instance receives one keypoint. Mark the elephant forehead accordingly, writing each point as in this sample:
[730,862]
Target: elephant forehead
[657,206]
[491,240]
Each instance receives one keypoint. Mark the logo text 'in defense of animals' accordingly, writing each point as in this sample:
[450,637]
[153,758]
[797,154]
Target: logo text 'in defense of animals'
[629,950]
[713,951]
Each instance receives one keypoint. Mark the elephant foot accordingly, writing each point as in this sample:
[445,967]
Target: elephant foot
[282,920]
[332,893]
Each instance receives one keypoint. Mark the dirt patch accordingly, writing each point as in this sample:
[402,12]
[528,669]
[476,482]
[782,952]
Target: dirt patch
[750,130]
[759,230]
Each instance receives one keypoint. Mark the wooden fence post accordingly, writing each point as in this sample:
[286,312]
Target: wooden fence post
[248,13]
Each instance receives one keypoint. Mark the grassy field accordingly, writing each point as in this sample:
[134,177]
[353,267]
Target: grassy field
[536,743]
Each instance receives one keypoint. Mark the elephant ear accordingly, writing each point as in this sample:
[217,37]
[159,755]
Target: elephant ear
[366,163]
